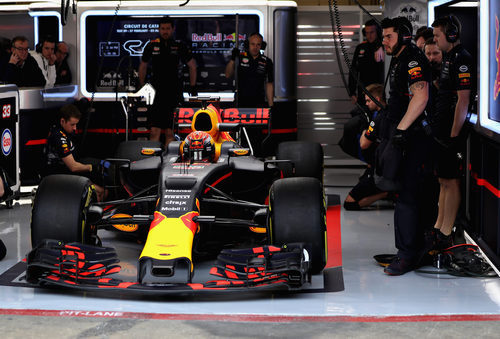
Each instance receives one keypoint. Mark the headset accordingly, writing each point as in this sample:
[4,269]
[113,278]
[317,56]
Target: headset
[405,31]
[452,30]
[246,43]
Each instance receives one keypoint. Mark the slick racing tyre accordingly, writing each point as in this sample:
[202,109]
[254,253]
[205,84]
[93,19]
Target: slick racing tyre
[60,210]
[132,149]
[306,157]
[297,214]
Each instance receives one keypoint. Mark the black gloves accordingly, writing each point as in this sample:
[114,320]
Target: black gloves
[235,53]
[400,139]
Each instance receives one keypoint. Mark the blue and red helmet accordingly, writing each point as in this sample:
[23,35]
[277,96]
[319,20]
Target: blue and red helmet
[198,146]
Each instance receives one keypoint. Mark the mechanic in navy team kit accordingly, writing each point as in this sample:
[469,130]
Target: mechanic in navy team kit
[165,54]
[59,151]
[452,104]
[366,192]
[255,73]
[410,76]
[367,62]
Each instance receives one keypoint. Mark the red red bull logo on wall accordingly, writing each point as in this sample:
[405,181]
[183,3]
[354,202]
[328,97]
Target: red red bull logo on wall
[252,116]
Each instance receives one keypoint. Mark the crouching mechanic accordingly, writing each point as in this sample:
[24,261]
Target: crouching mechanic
[366,192]
[60,149]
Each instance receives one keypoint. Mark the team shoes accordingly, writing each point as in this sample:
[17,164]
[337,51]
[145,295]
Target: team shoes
[434,242]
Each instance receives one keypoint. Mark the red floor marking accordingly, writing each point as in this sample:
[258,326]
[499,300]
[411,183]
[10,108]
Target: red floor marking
[333,237]
[250,317]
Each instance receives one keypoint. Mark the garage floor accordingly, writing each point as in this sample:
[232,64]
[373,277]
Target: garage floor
[370,297]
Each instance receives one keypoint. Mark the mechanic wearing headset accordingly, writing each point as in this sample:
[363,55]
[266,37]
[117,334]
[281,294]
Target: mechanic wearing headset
[255,73]
[46,59]
[367,62]
[165,53]
[59,151]
[410,76]
[452,104]
[366,192]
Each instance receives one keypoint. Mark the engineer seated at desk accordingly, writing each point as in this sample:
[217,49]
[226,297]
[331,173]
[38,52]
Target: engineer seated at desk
[22,69]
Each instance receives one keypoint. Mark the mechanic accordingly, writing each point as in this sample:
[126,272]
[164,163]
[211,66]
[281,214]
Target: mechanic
[435,57]
[22,69]
[46,59]
[59,151]
[63,72]
[407,144]
[255,73]
[422,35]
[366,192]
[165,53]
[367,63]
[452,105]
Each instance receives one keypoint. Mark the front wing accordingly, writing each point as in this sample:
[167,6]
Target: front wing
[85,267]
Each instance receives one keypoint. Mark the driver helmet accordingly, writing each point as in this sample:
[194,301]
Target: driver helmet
[199,146]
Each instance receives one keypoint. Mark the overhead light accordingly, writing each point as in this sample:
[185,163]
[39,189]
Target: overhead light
[312,100]
[11,8]
[466,4]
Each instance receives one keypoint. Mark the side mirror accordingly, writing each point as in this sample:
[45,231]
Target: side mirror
[238,152]
[151,151]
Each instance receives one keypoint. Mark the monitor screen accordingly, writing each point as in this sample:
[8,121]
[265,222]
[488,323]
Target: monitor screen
[114,47]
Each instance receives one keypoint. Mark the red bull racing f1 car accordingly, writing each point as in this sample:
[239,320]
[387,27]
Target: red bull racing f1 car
[262,223]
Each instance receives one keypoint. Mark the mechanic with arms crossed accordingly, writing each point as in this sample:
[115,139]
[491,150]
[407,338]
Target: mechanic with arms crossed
[410,76]
[60,149]
[452,105]
[165,53]
[255,73]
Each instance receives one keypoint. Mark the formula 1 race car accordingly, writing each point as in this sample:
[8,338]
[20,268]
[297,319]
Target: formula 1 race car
[263,222]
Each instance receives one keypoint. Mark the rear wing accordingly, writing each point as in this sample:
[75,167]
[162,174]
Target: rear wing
[247,117]
[232,119]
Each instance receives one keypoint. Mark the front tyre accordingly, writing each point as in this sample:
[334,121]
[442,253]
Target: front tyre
[297,213]
[60,210]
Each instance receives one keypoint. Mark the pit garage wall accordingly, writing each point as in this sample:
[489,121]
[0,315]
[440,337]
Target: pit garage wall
[483,195]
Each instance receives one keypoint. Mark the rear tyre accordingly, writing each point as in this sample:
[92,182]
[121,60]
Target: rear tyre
[60,210]
[297,214]
[307,157]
